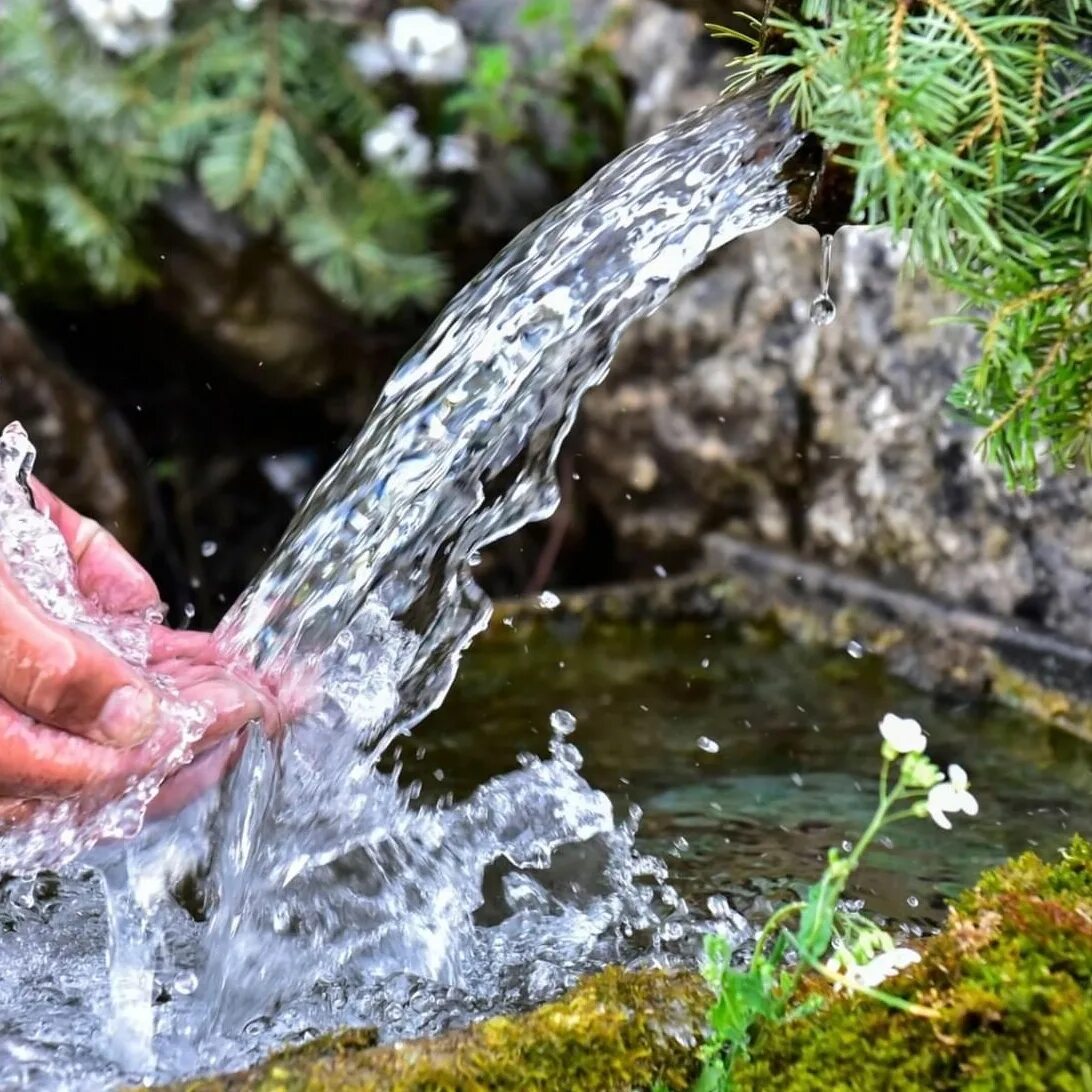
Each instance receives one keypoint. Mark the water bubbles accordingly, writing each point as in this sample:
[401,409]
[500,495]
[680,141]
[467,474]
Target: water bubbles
[185,982]
[823,309]
[547,600]
[562,722]
[709,746]
[209,548]
[718,906]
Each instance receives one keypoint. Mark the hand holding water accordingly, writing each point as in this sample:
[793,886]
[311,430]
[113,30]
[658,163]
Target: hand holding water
[76,719]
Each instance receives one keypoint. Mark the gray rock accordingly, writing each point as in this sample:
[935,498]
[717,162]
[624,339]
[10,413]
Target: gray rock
[728,414]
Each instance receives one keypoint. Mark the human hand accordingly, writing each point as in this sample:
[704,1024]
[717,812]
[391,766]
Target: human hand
[77,720]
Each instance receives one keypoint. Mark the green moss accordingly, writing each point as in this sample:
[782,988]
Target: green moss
[1011,978]
[617,1030]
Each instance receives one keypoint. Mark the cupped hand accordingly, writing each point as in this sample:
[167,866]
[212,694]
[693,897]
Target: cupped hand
[77,720]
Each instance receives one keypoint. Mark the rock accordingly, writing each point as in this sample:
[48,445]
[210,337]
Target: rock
[616,1030]
[728,413]
[82,449]
[259,313]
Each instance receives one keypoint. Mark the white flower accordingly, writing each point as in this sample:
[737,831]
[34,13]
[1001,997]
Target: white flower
[902,734]
[457,153]
[951,797]
[883,966]
[372,58]
[124,26]
[396,145]
[427,46]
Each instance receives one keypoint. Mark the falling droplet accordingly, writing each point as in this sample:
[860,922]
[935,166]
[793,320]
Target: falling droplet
[823,309]
[548,601]
[562,722]
[208,549]
[709,746]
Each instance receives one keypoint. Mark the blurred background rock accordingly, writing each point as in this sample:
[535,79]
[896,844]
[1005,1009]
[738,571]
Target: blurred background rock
[192,413]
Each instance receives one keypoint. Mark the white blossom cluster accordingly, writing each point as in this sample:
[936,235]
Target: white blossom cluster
[125,26]
[421,44]
[397,146]
[426,47]
[128,26]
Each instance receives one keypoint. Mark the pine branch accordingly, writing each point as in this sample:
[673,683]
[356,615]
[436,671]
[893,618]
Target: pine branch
[968,124]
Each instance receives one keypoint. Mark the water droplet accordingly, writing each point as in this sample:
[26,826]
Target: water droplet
[189,612]
[823,309]
[797,780]
[855,649]
[681,845]
[709,746]
[474,558]
[705,661]
[208,548]
[718,907]
[562,722]
[548,601]
[660,571]
[185,983]
[911,901]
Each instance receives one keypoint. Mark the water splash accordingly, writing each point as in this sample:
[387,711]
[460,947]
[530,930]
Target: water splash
[327,897]
[823,309]
[35,553]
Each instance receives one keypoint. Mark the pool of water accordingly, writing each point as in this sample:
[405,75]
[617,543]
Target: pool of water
[749,757]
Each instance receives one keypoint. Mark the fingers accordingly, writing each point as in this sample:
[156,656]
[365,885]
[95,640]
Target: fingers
[105,571]
[66,679]
[41,762]
[233,702]
[198,777]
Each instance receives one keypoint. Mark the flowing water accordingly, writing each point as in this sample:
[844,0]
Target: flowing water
[315,890]
[321,886]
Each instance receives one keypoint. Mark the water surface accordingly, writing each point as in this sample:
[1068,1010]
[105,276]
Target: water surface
[758,753]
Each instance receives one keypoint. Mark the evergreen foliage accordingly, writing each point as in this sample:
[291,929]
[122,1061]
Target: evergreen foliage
[968,124]
[266,113]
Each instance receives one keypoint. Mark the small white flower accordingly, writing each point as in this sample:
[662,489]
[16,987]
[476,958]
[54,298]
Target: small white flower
[372,58]
[124,26]
[427,46]
[883,966]
[458,153]
[902,734]
[950,798]
[396,145]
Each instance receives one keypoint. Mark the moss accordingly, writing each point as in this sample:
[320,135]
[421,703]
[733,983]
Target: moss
[1011,978]
[617,1030]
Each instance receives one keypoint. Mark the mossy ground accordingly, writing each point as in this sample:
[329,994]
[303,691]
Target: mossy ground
[616,1030]
[1011,978]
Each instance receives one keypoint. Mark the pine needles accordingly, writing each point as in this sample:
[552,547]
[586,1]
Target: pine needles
[968,124]
[264,111]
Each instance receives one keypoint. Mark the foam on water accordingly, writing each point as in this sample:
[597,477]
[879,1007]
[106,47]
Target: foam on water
[317,891]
